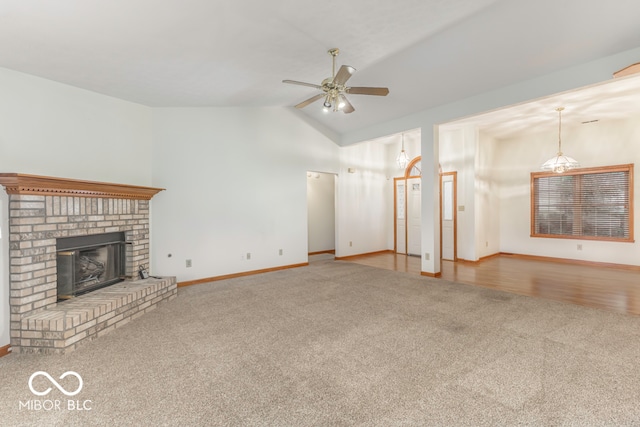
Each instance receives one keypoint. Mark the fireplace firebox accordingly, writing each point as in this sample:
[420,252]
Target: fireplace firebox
[87,263]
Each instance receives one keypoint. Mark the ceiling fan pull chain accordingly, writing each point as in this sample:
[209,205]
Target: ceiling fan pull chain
[333,68]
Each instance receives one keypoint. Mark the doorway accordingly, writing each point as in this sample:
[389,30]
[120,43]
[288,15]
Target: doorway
[321,213]
[407,210]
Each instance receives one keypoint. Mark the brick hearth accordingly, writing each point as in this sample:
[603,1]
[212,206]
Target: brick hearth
[42,209]
[62,327]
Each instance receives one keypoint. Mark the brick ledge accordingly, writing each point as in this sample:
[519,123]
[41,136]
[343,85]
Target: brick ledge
[62,328]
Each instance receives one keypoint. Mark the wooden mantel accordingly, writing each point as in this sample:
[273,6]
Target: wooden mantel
[16,183]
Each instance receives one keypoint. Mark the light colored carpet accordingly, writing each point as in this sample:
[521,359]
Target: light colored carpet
[338,343]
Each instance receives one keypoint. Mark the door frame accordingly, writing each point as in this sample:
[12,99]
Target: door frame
[455,213]
[407,175]
[335,177]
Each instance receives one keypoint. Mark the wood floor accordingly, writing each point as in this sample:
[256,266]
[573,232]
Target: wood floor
[614,289]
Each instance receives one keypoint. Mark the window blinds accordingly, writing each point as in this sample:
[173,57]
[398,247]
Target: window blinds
[583,205]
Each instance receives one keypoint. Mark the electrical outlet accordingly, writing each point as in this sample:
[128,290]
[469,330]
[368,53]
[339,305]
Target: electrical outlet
[350,243]
[427,256]
[280,252]
[188,263]
[248,255]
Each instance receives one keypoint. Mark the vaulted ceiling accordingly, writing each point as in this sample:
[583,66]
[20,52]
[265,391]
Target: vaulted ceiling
[196,53]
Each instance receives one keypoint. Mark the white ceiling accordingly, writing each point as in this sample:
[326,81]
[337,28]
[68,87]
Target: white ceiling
[192,53]
[613,99]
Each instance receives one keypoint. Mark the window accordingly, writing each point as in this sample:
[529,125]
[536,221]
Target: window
[414,168]
[589,204]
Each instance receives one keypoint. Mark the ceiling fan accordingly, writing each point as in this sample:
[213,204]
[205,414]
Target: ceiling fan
[334,88]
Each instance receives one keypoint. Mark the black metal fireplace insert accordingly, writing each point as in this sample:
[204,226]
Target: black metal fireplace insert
[87,263]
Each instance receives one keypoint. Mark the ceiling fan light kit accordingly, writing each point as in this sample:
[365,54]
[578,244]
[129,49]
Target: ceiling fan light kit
[334,88]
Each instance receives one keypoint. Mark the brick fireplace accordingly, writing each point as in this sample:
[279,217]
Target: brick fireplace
[44,209]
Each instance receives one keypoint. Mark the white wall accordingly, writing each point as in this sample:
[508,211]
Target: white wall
[471,155]
[236,181]
[487,199]
[48,128]
[364,197]
[321,211]
[52,129]
[605,143]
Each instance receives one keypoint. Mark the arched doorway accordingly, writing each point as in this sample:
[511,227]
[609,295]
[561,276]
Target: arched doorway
[407,209]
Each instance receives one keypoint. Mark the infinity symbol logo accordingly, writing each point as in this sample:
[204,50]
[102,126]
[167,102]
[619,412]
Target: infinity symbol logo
[55,383]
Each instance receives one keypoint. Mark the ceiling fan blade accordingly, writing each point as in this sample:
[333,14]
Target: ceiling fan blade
[379,91]
[347,107]
[344,73]
[310,100]
[293,82]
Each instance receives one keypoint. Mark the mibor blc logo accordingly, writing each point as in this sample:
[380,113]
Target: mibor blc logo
[55,383]
[39,389]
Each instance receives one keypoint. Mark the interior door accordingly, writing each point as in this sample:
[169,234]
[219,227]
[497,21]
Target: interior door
[448,216]
[401,222]
[414,206]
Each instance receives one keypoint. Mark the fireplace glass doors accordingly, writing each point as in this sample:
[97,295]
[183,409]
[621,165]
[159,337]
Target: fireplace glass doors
[87,263]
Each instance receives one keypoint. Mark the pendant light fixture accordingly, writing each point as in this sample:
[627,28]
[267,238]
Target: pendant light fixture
[560,163]
[402,159]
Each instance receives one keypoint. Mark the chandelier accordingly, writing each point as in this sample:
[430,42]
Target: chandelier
[560,163]
[402,160]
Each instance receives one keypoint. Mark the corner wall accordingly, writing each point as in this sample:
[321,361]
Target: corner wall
[236,181]
[365,193]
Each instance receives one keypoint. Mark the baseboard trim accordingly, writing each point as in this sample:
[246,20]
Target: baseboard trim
[343,258]
[5,350]
[435,275]
[552,259]
[330,251]
[484,258]
[242,274]
[572,261]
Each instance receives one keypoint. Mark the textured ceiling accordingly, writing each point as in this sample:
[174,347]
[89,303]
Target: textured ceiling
[193,53]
